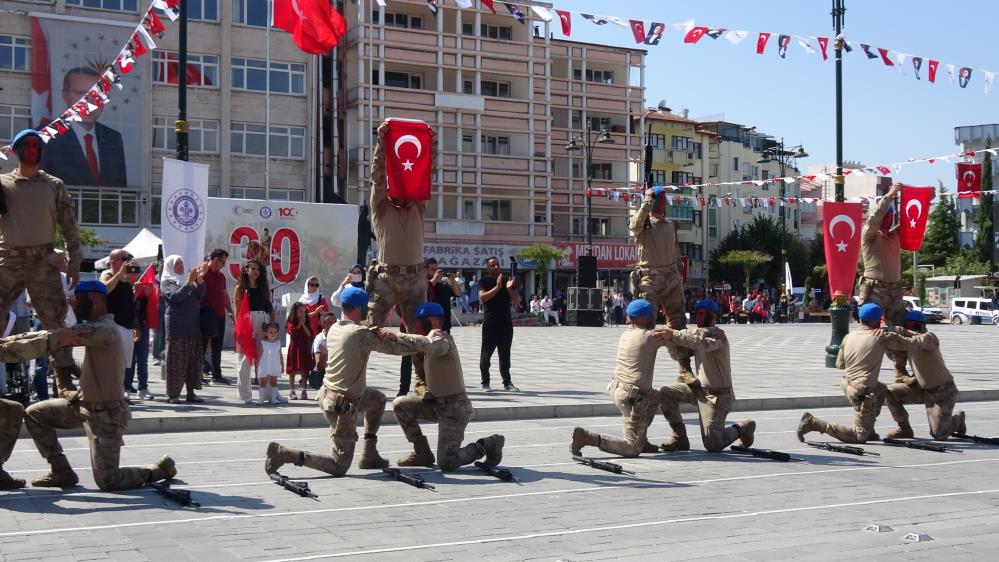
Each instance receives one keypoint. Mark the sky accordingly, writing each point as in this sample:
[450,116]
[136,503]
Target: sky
[887,117]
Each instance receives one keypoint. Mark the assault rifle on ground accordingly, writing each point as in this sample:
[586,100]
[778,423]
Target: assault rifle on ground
[501,473]
[183,497]
[764,454]
[300,488]
[602,465]
[918,445]
[411,479]
[848,449]
[977,439]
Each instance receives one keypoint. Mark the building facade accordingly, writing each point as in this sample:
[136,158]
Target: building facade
[976,137]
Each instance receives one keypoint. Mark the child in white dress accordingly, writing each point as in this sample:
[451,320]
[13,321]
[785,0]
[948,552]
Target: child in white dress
[269,368]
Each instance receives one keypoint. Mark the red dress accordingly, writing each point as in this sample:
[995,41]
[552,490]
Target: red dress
[314,321]
[300,358]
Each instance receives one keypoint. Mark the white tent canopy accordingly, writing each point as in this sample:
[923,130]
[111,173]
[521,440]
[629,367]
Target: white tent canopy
[144,247]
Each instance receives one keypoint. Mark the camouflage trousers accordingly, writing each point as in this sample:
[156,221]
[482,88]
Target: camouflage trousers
[713,406]
[638,408]
[104,425]
[11,414]
[939,402]
[341,414]
[663,287]
[890,301]
[452,415]
[406,291]
[39,274]
[866,408]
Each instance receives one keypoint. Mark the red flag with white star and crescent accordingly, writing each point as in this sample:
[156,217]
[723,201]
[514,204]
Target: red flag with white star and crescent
[408,145]
[841,236]
[566,20]
[638,30]
[969,180]
[912,220]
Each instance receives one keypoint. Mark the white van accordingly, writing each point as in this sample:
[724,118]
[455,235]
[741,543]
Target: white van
[962,309]
[933,315]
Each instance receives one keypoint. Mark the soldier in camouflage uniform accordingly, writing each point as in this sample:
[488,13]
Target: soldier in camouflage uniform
[443,399]
[32,204]
[11,414]
[98,407]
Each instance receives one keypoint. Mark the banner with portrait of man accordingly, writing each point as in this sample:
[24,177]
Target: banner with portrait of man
[106,147]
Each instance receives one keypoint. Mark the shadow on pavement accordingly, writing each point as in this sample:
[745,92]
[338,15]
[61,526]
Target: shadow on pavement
[33,500]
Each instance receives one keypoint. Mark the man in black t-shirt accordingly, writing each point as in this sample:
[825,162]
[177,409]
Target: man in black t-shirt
[121,304]
[496,295]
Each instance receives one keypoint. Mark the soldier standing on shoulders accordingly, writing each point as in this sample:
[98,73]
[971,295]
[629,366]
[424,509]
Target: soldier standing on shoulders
[932,385]
[345,394]
[712,394]
[631,388]
[32,204]
[656,277]
[443,399]
[98,407]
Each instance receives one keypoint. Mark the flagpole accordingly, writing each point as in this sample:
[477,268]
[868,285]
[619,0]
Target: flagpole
[180,126]
[839,312]
[267,107]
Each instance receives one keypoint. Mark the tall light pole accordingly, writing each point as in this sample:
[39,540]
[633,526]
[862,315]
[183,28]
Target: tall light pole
[585,143]
[839,312]
[181,127]
[783,157]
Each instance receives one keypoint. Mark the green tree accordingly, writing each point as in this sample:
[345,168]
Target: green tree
[748,260]
[88,238]
[543,255]
[764,236]
[964,262]
[983,216]
[941,238]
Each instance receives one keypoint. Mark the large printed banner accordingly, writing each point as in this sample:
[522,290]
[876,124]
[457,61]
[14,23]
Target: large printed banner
[305,240]
[183,220]
[609,256]
[106,146]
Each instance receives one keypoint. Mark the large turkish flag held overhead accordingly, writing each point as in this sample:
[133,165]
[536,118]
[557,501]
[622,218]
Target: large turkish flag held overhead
[408,144]
[314,25]
[841,236]
[969,180]
[912,219]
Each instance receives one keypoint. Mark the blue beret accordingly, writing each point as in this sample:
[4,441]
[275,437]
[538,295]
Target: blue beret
[640,307]
[352,296]
[23,135]
[915,316]
[429,309]
[91,286]
[707,304]
[870,312]
[658,190]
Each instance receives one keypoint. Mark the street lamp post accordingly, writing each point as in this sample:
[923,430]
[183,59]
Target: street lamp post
[585,143]
[839,312]
[783,157]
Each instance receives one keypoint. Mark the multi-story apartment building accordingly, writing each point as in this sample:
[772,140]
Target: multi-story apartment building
[975,137]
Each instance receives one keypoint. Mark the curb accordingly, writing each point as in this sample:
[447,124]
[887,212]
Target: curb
[251,421]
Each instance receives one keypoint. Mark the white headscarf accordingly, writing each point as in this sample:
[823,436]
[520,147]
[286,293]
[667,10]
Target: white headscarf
[168,265]
[310,299]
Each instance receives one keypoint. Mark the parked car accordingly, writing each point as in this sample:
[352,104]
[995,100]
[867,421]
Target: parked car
[964,308]
[933,315]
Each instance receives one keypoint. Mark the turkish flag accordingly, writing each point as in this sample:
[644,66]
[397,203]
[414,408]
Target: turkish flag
[489,4]
[566,20]
[824,45]
[408,144]
[884,57]
[969,180]
[638,30]
[314,25]
[915,211]
[246,344]
[695,34]
[148,279]
[841,236]
[933,70]
[761,42]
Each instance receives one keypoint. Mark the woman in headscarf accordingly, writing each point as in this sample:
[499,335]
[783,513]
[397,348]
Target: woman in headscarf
[355,278]
[315,303]
[253,284]
[183,291]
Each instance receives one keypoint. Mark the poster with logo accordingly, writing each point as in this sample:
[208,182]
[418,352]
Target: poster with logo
[105,148]
[183,213]
[300,240]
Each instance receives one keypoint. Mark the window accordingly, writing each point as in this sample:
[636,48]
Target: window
[600,123]
[692,251]
[501,32]
[13,118]
[680,178]
[657,140]
[602,76]
[202,70]
[765,174]
[713,223]
[697,150]
[577,119]
[491,144]
[602,171]
[203,10]
[405,21]
[117,5]
[735,163]
[251,74]
[495,210]
[754,171]
[658,177]
[250,12]
[203,135]
[682,143]
[285,142]
[399,80]
[15,53]
[713,169]
[495,89]
[679,212]
[99,207]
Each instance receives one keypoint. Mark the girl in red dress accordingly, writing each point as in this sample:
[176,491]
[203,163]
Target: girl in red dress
[299,348]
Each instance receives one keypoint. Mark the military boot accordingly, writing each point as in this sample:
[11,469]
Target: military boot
[903,431]
[807,423]
[962,428]
[650,448]
[369,454]
[421,455]
[8,482]
[678,441]
[493,448]
[162,469]
[278,455]
[582,438]
[747,429]
[61,476]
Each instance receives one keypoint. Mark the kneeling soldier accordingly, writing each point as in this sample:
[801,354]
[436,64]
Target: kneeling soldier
[11,414]
[97,407]
[711,393]
[631,388]
[443,399]
[932,385]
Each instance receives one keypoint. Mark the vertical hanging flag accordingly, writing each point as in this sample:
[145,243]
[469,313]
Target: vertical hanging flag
[543,13]
[516,12]
[867,51]
[782,42]
[735,36]
[313,24]
[842,244]
[638,30]
[695,34]
[656,30]
[716,32]
[969,180]
[616,20]
[761,42]
[884,57]
[912,220]
[432,6]
[594,19]
[488,4]
[989,78]
[824,46]
[408,144]
[900,57]
[806,45]
[964,76]
[463,4]
[932,70]
[148,279]
[950,73]
[566,20]
[917,65]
